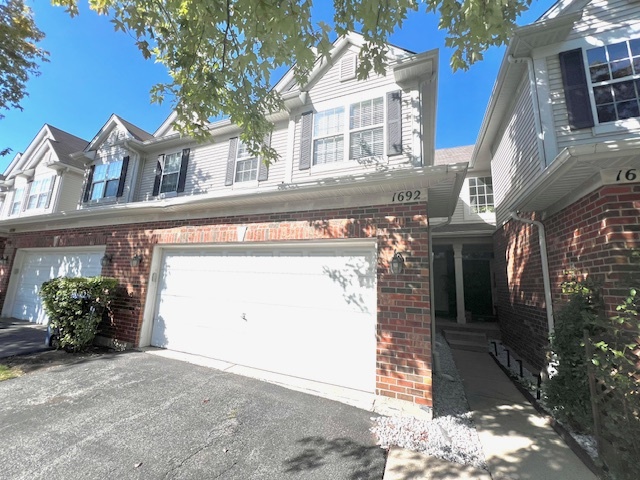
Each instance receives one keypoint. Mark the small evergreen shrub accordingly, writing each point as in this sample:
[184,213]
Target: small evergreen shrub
[567,390]
[76,306]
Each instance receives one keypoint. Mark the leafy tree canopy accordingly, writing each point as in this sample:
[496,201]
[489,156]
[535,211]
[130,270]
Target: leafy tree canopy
[19,53]
[220,54]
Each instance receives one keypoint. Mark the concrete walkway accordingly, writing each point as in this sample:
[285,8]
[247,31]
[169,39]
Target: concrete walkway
[518,443]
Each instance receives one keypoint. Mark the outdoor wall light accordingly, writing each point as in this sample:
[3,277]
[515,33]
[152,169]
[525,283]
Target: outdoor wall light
[106,259]
[4,260]
[136,259]
[397,264]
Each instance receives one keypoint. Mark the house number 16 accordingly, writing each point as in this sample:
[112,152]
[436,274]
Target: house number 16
[629,175]
[406,196]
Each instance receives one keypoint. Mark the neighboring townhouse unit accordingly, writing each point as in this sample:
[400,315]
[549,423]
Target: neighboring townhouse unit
[562,135]
[43,180]
[316,267]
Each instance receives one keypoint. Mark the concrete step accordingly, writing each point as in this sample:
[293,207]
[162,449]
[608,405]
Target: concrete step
[469,346]
[464,336]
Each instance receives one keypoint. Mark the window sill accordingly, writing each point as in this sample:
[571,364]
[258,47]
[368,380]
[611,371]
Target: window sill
[245,185]
[164,195]
[362,162]
[620,126]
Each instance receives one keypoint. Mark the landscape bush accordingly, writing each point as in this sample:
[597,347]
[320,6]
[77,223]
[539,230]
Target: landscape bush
[76,306]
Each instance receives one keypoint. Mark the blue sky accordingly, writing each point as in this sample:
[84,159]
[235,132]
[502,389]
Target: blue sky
[95,71]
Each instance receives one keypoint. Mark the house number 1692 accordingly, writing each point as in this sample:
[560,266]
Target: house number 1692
[407,196]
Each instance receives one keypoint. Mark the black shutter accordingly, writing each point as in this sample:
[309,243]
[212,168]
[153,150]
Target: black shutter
[231,161]
[183,169]
[306,131]
[53,184]
[576,90]
[123,176]
[263,169]
[158,179]
[87,187]
[394,123]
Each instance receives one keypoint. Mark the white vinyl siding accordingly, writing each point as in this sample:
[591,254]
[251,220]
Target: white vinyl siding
[515,162]
[600,16]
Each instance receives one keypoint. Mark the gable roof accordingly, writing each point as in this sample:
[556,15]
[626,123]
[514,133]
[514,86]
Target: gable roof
[405,65]
[114,120]
[62,143]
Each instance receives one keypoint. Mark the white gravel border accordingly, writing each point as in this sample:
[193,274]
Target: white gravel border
[451,435]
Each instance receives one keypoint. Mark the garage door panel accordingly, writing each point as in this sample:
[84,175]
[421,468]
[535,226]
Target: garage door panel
[38,267]
[307,313]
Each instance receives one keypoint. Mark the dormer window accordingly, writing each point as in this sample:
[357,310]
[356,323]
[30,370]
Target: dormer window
[39,193]
[106,178]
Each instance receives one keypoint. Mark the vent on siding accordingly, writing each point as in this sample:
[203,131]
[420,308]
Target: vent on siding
[348,67]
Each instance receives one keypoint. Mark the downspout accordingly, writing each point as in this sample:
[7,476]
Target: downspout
[435,358]
[533,89]
[544,258]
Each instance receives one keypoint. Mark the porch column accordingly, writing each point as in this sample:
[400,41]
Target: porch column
[457,261]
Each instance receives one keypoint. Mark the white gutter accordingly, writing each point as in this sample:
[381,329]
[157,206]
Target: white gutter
[436,359]
[534,100]
[544,258]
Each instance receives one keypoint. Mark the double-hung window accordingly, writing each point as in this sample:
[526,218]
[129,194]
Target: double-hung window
[365,132]
[106,178]
[39,193]
[366,129]
[246,165]
[328,133]
[614,75]
[170,172]
[16,203]
[481,194]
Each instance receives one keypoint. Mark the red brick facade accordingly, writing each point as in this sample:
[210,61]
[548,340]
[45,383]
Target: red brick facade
[403,326]
[594,237]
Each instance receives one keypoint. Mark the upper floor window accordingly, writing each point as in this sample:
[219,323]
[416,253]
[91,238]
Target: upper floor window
[365,132]
[366,128]
[39,193]
[328,134]
[105,181]
[170,172]
[246,165]
[16,203]
[614,74]
[481,195]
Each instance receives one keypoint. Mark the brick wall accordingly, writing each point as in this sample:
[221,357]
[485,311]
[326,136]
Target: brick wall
[593,237]
[403,326]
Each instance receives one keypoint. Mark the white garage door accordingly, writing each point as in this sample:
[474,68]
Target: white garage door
[309,313]
[38,267]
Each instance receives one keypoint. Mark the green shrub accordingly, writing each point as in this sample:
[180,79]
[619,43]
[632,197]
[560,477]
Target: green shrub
[76,306]
[567,389]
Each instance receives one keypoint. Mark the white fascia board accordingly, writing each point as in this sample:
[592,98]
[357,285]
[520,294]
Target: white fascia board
[283,198]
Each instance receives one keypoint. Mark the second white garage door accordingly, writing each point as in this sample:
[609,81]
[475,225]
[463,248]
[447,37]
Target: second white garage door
[309,313]
[36,267]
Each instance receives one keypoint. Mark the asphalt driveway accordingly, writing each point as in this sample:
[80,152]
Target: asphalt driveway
[18,337]
[139,416]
